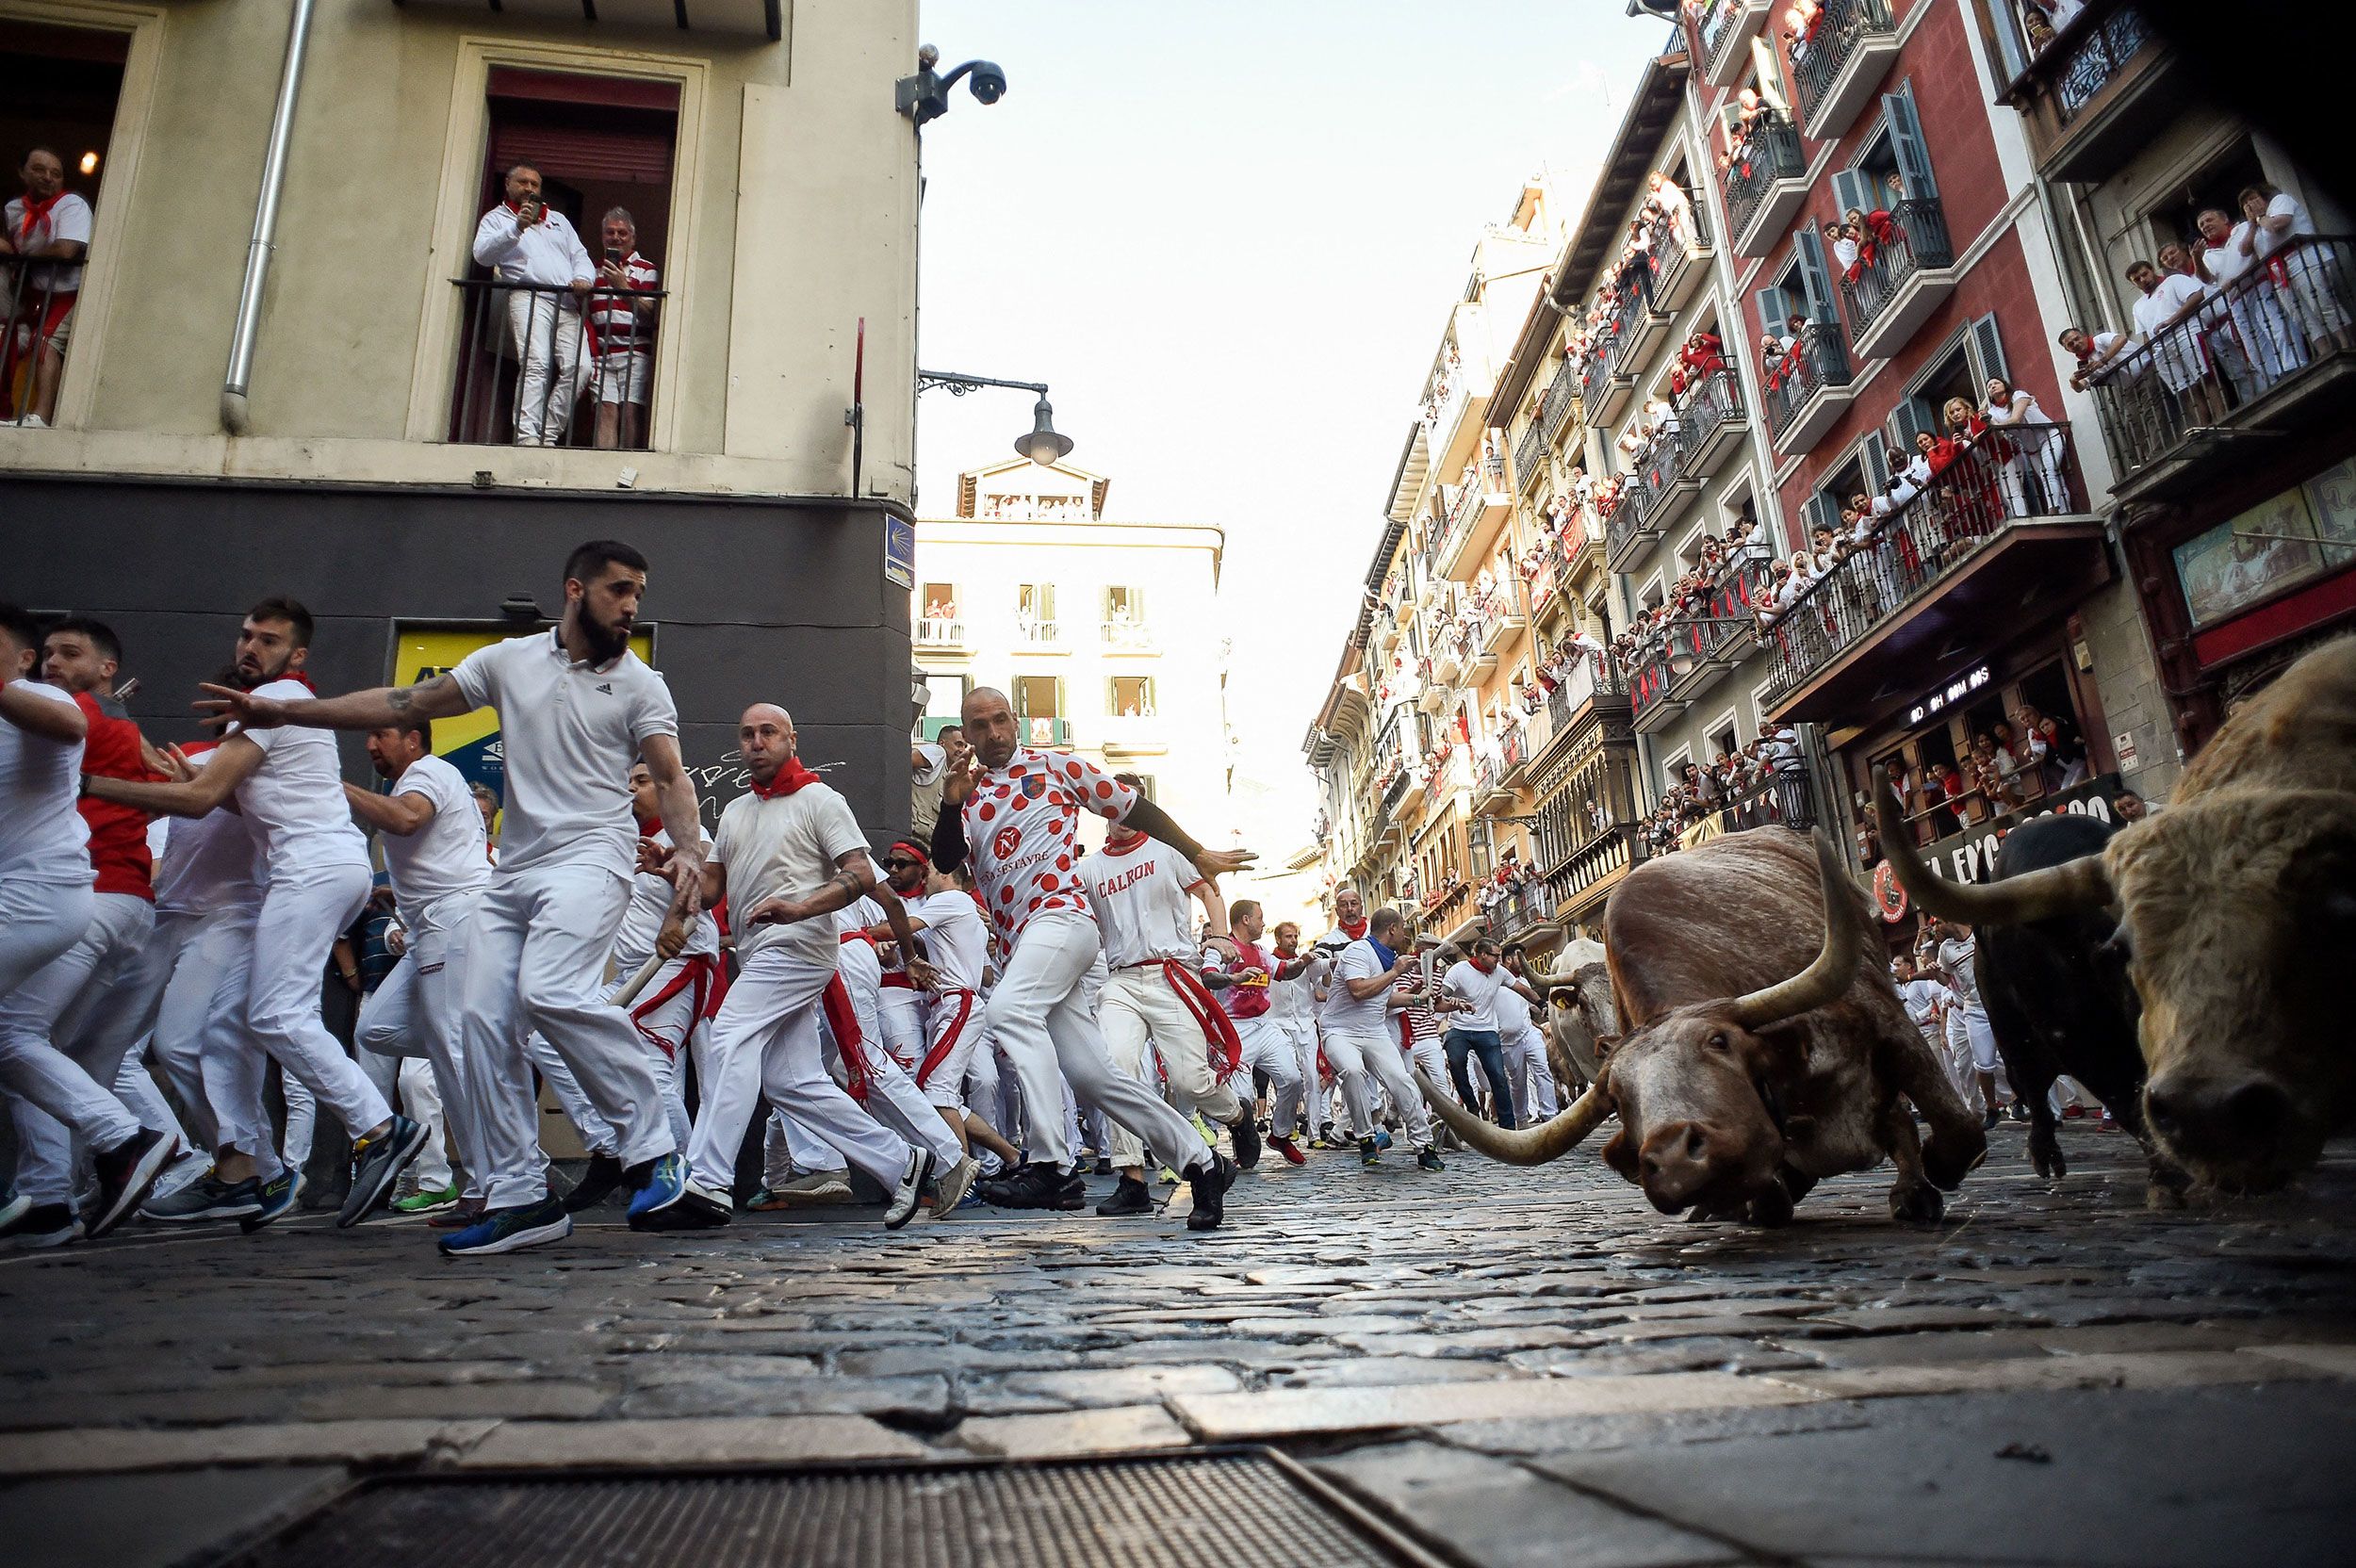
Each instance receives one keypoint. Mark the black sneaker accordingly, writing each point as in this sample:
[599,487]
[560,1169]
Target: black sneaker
[376,1164]
[1369,1151]
[1430,1160]
[127,1172]
[698,1208]
[207,1198]
[42,1225]
[1037,1184]
[1991,1121]
[1246,1137]
[2018,1111]
[1103,1165]
[1130,1197]
[1210,1183]
[600,1181]
[273,1199]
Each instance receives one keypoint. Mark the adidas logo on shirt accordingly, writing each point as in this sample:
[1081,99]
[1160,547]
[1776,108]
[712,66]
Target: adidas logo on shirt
[607,688]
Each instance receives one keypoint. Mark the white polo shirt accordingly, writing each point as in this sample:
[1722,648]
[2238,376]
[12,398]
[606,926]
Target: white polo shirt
[294,803]
[1349,1015]
[203,863]
[1138,897]
[449,855]
[42,835]
[1513,1011]
[956,935]
[785,847]
[569,732]
[549,253]
[1464,982]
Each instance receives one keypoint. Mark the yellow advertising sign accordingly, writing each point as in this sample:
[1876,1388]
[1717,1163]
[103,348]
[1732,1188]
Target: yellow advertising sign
[469,742]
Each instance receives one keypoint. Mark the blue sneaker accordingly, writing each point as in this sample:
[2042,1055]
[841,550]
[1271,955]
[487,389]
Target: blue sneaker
[508,1229]
[273,1198]
[664,1185]
[377,1164]
[1381,1139]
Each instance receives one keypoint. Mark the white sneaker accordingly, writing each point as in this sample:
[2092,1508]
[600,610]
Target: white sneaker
[33,421]
[191,1166]
[912,1179]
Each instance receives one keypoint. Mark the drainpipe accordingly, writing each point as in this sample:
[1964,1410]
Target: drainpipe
[257,250]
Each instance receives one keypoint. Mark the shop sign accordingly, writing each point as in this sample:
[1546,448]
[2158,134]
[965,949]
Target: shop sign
[1948,695]
[1970,855]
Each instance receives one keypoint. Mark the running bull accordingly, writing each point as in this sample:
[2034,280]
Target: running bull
[1757,1058]
[1584,1024]
[2237,910]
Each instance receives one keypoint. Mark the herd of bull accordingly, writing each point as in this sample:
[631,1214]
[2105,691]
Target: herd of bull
[2186,968]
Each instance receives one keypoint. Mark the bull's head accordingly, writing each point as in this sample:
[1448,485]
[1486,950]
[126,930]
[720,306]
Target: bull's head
[1700,1122]
[2238,912]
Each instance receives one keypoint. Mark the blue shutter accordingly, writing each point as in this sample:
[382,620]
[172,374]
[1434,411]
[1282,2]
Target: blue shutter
[1808,248]
[1874,461]
[1988,354]
[1774,308]
[1821,511]
[1907,145]
[1852,188]
[1911,414]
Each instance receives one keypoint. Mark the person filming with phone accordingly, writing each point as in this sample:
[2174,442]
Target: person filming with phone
[621,333]
[531,247]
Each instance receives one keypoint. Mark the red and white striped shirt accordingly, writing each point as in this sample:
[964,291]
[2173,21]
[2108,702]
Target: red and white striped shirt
[615,326]
[1022,832]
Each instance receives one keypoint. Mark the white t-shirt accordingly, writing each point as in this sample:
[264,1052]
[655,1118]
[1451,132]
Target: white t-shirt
[857,962]
[2226,261]
[569,733]
[642,919]
[1139,896]
[69,218]
[1954,963]
[1464,982]
[925,789]
[1332,1008]
[1293,1001]
[2284,206]
[203,863]
[1923,998]
[42,835]
[1513,1017]
[294,802]
[449,855]
[956,935]
[785,847]
[1021,830]
[1349,1015]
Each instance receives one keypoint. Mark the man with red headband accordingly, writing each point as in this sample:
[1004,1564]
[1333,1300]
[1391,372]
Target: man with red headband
[1017,818]
[1156,1000]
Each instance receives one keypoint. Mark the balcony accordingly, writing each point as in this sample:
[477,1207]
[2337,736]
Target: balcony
[1031,636]
[1499,623]
[1912,273]
[1809,388]
[1529,456]
[2269,356]
[1998,541]
[1452,773]
[2098,93]
[1127,637]
[1690,659]
[1128,735]
[1680,261]
[1711,423]
[1489,787]
[1782,799]
[1627,532]
[1449,661]
[1835,73]
[1631,327]
[940,634]
[1046,732]
[1594,687]
[1722,38]
[1484,503]
[1554,408]
[1512,757]
[1765,182]
[531,372]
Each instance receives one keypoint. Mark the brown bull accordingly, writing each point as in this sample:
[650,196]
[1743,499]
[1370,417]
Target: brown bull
[2237,905]
[1757,1057]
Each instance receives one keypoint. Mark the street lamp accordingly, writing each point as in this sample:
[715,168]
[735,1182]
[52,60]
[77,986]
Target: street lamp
[1681,658]
[1043,444]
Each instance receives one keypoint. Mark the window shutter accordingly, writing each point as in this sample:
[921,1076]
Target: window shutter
[1061,710]
[1908,145]
[1808,248]
[1821,511]
[1852,188]
[1911,414]
[1987,355]
[1874,461]
[1774,308]
[1770,79]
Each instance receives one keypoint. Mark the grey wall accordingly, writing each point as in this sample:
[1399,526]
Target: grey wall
[773,599]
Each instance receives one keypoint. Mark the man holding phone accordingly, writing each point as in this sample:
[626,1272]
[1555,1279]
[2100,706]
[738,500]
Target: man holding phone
[621,333]
[531,247]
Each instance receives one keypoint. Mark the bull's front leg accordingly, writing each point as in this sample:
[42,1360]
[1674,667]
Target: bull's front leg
[2045,1137]
[1913,1200]
[2165,1182]
[1958,1141]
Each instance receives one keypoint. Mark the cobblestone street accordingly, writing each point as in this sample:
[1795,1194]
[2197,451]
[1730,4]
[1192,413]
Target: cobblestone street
[1521,1364]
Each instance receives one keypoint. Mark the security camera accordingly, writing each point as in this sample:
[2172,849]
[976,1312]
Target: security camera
[924,96]
[989,83]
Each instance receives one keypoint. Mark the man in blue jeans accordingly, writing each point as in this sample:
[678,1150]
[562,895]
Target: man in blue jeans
[1469,993]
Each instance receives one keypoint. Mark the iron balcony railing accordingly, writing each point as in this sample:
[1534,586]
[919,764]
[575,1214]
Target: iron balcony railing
[1127,637]
[1916,238]
[940,631]
[1530,454]
[2265,329]
[1818,358]
[1673,247]
[1039,634]
[1633,299]
[2089,64]
[1702,640]
[1719,33]
[1768,153]
[1555,407]
[1594,373]
[1626,519]
[1589,677]
[1710,405]
[1816,63]
[2015,472]
[541,366]
[41,294]
[1783,798]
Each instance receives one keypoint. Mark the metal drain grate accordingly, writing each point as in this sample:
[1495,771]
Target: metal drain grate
[1215,1511]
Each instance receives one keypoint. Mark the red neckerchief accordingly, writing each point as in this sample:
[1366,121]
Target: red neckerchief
[1124,846]
[1353,932]
[648,826]
[789,777]
[36,213]
[517,208]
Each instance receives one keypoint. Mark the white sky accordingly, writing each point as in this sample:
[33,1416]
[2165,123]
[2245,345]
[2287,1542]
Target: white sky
[1228,234]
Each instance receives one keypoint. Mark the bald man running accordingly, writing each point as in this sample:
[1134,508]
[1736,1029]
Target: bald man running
[1016,820]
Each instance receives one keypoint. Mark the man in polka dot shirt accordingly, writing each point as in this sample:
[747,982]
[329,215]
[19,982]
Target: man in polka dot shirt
[1015,816]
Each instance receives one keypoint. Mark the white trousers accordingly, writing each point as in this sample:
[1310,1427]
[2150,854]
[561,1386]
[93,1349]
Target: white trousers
[953,1035]
[56,1094]
[544,337]
[1535,1096]
[665,1016]
[1266,1049]
[765,1042]
[134,1011]
[1302,1034]
[1366,1062]
[202,1008]
[902,1014]
[1141,1012]
[413,1013]
[1041,1017]
[536,947]
[892,1096]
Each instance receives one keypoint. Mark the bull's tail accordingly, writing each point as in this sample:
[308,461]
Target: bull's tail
[1549,1141]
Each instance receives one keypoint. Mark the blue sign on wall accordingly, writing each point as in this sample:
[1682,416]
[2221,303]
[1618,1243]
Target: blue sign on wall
[900,551]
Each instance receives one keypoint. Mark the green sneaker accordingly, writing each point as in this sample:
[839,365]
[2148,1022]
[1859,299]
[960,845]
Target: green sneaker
[426,1200]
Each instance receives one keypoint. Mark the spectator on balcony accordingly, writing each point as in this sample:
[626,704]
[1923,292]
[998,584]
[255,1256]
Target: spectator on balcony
[2228,254]
[2065,750]
[532,246]
[2310,277]
[2219,344]
[621,333]
[45,233]
[1802,22]
[1840,240]
[1673,207]
[2099,356]
[1943,797]
[2032,475]
[2169,303]
[2019,760]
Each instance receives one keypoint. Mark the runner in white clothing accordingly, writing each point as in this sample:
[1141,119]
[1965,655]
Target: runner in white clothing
[288,786]
[45,906]
[1245,984]
[1472,989]
[1016,817]
[1530,1075]
[574,705]
[1361,1041]
[1292,1007]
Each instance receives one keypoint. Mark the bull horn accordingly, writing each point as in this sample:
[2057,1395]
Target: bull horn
[1834,967]
[1549,1141]
[2080,884]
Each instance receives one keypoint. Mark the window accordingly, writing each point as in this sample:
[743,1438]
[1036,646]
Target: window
[946,694]
[2215,186]
[1961,371]
[63,87]
[1124,606]
[1039,696]
[534,369]
[1129,696]
[1035,604]
[940,601]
